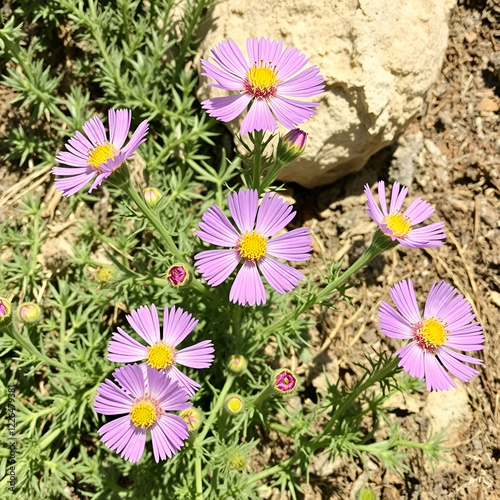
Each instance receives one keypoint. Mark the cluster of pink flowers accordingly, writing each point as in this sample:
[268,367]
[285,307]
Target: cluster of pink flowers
[267,83]
[145,393]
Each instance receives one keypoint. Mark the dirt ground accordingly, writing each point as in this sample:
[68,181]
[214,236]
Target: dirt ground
[449,156]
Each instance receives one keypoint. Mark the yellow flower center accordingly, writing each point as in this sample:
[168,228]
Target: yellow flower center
[252,246]
[145,413]
[261,81]
[398,224]
[160,356]
[430,334]
[101,154]
[234,404]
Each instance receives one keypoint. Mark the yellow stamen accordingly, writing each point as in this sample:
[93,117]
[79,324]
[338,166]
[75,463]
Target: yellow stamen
[431,334]
[398,224]
[101,154]
[144,414]
[261,81]
[252,246]
[160,356]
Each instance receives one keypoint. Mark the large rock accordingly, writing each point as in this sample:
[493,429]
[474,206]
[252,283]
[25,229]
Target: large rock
[378,58]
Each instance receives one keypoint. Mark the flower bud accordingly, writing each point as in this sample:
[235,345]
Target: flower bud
[238,462]
[237,363]
[29,312]
[193,417]
[291,146]
[233,404]
[5,310]
[284,381]
[179,275]
[152,196]
[366,494]
[103,275]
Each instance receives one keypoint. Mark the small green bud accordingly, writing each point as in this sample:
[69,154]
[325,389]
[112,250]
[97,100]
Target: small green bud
[238,462]
[152,196]
[366,494]
[237,363]
[29,313]
[103,275]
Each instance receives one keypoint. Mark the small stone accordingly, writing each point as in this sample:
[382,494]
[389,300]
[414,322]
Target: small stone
[488,104]
[495,298]
[470,37]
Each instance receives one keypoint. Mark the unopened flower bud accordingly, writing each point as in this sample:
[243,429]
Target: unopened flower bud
[179,275]
[5,310]
[237,363]
[29,312]
[193,418]
[103,275]
[152,196]
[284,381]
[291,146]
[238,462]
[366,494]
[233,404]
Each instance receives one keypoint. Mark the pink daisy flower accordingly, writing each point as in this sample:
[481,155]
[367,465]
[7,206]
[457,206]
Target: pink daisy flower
[250,243]
[96,156]
[161,352]
[399,225]
[145,400]
[444,326]
[265,82]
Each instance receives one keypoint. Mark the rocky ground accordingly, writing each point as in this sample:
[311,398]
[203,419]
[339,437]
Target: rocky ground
[450,156]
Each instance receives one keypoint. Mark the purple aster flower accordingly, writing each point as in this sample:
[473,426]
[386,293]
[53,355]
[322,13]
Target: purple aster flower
[161,352]
[444,326]
[265,82]
[400,225]
[96,156]
[145,400]
[250,243]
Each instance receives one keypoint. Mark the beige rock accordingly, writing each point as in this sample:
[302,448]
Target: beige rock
[378,59]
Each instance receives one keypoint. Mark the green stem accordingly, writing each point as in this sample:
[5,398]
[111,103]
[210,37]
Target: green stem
[26,344]
[272,470]
[62,333]
[197,470]
[153,219]
[257,156]
[218,405]
[262,396]
[271,175]
[279,428]
[379,244]
[373,379]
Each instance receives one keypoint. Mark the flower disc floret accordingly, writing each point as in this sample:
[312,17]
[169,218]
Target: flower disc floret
[145,412]
[398,224]
[161,356]
[261,81]
[430,334]
[252,246]
[101,154]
